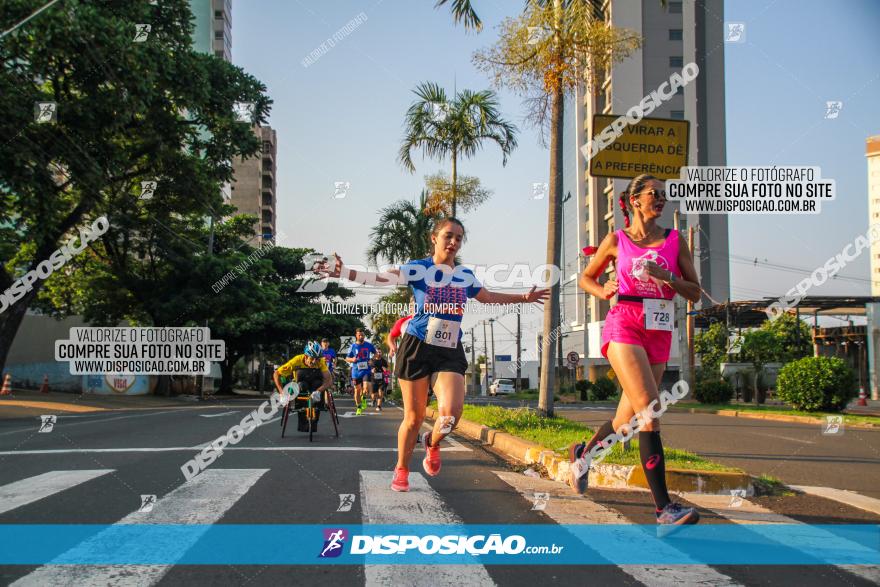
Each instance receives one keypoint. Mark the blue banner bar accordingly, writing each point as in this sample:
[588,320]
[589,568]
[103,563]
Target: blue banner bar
[230,544]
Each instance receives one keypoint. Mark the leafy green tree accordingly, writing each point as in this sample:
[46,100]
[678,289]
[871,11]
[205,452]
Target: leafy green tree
[454,128]
[577,48]
[760,347]
[794,337]
[125,112]
[468,194]
[711,345]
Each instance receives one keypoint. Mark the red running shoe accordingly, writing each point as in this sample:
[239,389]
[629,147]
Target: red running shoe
[431,463]
[401,479]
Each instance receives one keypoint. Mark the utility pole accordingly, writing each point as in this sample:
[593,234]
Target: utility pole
[475,379]
[518,354]
[690,324]
[485,355]
[681,321]
[492,330]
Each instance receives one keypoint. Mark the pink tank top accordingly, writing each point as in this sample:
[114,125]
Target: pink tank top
[633,279]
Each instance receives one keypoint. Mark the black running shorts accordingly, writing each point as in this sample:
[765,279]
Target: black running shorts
[417,359]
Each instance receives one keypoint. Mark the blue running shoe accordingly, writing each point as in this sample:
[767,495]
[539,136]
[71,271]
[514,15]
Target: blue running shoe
[673,516]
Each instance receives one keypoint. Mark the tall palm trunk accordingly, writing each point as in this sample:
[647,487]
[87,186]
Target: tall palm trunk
[554,236]
[454,181]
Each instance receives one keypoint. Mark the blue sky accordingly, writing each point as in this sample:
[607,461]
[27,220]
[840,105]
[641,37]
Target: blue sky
[340,119]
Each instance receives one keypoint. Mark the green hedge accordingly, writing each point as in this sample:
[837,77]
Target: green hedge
[603,389]
[816,384]
[713,391]
[583,387]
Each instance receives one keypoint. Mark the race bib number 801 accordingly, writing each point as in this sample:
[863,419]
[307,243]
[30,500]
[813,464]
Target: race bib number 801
[442,333]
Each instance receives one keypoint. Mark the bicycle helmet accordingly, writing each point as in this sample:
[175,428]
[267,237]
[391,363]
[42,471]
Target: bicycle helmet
[312,349]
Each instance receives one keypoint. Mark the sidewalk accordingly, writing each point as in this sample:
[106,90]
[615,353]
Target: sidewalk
[80,403]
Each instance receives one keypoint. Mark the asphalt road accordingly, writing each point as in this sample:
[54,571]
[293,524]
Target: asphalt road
[94,468]
[795,453]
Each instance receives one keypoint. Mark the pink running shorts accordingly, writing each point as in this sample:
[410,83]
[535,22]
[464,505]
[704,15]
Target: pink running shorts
[625,323]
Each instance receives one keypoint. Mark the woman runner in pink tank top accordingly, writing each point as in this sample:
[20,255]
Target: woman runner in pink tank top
[652,265]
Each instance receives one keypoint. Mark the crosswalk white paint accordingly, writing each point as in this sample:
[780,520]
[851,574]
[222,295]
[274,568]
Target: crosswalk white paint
[566,508]
[747,512]
[204,500]
[421,505]
[19,493]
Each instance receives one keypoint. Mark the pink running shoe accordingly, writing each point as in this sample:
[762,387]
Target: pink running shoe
[401,479]
[431,463]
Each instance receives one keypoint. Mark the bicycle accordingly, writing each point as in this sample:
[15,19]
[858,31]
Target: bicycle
[299,392]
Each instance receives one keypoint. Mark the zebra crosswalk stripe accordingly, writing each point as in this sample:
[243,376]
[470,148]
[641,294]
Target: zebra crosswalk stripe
[421,505]
[203,500]
[564,508]
[19,493]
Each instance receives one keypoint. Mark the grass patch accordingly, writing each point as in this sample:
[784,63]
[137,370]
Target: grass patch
[786,411]
[768,485]
[558,433]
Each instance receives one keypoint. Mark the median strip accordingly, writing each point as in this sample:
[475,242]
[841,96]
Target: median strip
[524,436]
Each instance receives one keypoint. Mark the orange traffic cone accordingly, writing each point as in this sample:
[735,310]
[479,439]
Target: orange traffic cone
[45,387]
[863,397]
[7,385]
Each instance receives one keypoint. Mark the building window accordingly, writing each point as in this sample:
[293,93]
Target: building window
[675,8]
[218,34]
[676,61]
[218,14]
[675,35]
[267,199]
[677,114]
[219,54]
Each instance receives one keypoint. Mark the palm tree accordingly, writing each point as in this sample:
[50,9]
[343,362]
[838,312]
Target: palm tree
[403,232]
[464,13]
[454,128]
[576,47]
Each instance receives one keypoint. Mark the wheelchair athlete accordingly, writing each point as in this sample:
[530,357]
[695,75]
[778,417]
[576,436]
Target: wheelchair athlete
[311,373]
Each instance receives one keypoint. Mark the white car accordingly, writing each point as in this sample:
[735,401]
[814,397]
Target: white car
[501,387]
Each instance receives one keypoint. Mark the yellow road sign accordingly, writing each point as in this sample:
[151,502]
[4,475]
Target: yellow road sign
[658,146]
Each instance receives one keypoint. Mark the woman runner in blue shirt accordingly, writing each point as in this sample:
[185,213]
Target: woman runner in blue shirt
[431,344]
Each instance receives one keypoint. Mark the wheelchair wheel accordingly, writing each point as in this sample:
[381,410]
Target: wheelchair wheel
[331,407]
[284,417]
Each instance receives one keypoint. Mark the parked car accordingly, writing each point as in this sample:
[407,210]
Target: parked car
[502,386]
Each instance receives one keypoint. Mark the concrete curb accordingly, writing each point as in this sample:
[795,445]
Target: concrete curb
[601,475]
[774,417]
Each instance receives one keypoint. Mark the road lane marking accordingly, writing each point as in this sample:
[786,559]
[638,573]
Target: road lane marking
[757,516]
[217,415]
[566,508]
[19,493]
[203,500]
[421,505]
[61,419]
[316,448]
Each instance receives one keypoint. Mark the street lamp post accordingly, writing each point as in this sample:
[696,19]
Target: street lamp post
[492,330]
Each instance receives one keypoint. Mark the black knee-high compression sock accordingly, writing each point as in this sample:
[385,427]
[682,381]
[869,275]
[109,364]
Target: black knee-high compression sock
[600,435]
[654,465]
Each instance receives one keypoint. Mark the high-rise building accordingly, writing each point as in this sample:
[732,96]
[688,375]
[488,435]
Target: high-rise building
[872,152]
[254,189]
[673,35]
[213,27]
